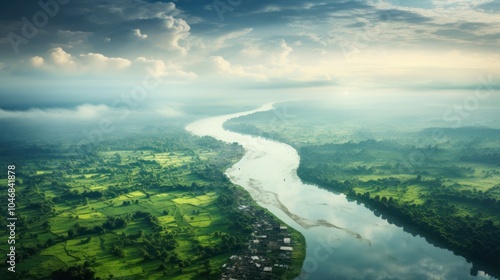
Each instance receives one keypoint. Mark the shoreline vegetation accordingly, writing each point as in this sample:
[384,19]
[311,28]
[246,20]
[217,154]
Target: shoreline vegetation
[152,204]
[451,198]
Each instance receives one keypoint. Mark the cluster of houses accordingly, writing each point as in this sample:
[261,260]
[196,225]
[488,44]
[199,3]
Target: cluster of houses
[268,254]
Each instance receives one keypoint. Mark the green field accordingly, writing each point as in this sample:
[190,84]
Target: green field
[144,207]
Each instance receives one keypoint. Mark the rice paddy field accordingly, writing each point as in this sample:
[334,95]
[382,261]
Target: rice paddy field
[145,207]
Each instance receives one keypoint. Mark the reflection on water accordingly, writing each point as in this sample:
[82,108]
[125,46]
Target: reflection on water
[344,240]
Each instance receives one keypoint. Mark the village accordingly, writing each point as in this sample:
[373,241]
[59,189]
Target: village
[268,254]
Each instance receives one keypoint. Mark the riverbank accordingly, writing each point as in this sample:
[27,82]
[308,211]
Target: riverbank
[268,162]
[344,167]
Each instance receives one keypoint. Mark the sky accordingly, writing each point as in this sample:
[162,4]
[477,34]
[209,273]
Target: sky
[85,57]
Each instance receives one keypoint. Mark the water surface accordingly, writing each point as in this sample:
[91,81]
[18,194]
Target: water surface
[345,240]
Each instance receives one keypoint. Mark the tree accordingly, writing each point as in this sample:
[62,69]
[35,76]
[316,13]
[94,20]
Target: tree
[208,265]
[74,272]
[72,232]
[46,225]
[49,242]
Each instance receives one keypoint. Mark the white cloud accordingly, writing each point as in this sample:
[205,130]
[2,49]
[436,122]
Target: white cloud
[220,41]
[225,66]
[252,51]
[278,66]
[271,8]
[65,63]
[99,62]
[37,61]
[60,57]
[158,68]
[61,62]
[85,111]
[178,31]
[138,34]
[282,58]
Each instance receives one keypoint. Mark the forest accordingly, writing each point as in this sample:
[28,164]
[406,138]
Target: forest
[438,182]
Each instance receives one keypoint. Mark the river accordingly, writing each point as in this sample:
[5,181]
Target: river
[345,240]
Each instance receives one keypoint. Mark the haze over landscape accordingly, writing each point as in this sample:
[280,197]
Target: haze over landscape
[387,110]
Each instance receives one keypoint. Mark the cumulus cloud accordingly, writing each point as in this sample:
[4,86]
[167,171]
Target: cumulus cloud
[177,30]
[60,60]
[97,61]
[225,66]
[158,68]
[275,65]
[37,61]
[138,34]
[283,55]
[60,57]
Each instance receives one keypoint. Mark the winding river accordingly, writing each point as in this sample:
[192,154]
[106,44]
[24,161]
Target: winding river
[344,239]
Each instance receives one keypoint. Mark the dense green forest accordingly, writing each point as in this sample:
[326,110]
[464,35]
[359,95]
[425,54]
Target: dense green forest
[153,205]
[441,183]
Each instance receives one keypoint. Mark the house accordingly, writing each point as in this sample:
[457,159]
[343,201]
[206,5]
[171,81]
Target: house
[286,248]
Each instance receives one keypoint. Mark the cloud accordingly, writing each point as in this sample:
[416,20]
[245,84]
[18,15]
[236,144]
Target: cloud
[221,41]
[60,57]
[225,66]
[97,61]
[271,8]
[178,30]
[398,15]
[275,66]
[60,61]
[489,7]
[37,61]
[283,56]
[158,68]
[170,112]
[85,111]
[282,43]
[140,10]
[137,33]
[252,51]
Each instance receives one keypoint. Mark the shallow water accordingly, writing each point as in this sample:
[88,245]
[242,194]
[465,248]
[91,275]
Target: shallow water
[345,240]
